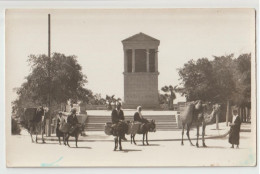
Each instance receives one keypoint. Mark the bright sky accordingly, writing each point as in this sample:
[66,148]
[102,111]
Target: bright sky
[95,37]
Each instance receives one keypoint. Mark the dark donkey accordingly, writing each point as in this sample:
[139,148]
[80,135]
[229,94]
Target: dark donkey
[77,131]
[144,129]
[119,131]
[37,122]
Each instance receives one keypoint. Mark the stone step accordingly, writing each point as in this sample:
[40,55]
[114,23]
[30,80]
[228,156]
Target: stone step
[163,122]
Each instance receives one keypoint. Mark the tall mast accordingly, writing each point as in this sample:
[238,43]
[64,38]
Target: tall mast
[49,35]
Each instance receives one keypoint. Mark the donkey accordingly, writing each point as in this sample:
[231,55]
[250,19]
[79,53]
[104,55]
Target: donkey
[78,130]
[119,131]
[144,129]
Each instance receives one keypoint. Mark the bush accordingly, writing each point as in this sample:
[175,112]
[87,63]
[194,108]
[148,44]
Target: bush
[15,127]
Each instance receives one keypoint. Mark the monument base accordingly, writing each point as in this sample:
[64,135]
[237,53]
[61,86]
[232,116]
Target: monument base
[144,106]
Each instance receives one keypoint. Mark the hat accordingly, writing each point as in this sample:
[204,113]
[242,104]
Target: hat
[73,110]
[60,113]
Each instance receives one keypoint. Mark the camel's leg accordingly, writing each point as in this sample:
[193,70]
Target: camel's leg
[183,126]
[31,129]
[188,133]
[198,133]
[134,139]
[116,141]
[203,134]
[147,138]
[120,145]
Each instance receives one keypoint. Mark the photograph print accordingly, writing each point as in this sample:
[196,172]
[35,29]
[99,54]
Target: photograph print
[130,87]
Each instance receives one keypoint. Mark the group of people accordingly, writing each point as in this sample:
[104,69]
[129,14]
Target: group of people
[72,122]
[117,117]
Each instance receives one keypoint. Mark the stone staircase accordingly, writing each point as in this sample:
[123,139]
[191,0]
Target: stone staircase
[163,122]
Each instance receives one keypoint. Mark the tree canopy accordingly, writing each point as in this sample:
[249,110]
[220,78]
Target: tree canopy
[57,79]
[224,78]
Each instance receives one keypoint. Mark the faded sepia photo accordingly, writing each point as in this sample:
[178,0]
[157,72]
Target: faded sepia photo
[130,87]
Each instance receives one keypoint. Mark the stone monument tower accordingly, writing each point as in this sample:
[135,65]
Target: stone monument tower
[141,71]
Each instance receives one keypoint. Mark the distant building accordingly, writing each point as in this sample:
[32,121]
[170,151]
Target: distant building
[141,71]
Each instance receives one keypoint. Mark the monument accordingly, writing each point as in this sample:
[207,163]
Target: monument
[141,71]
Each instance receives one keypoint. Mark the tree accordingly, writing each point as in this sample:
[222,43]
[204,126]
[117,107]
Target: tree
[53,81]
[170,98]
[197,80]
[223,80]
[111,99]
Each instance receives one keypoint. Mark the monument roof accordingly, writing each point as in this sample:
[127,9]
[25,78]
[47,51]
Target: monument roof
[140,37]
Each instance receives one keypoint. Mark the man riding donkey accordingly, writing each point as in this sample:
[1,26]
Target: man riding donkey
[143,127]
[119,126]
[72,120]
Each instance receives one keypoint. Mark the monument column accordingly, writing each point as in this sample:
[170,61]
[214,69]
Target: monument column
[156,60]
[133,60]
[125,61]
[147,61]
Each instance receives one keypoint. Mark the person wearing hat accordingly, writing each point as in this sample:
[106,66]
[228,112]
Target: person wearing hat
[60,122]
[72,120]
[234,129]
[117,116]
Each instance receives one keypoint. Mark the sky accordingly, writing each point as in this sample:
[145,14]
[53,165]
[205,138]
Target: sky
[95,35]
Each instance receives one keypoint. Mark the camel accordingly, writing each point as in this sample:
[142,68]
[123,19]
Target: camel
[37,122]
[199,114]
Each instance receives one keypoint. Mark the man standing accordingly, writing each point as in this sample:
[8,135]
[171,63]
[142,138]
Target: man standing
[234,129]
[72,120]
[117,116]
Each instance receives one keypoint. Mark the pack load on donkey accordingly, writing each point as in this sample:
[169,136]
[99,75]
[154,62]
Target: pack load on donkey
[133,128]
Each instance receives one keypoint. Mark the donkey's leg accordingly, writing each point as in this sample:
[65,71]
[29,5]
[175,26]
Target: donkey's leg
[43,141]
[188,133]
[203,134]
[131,137]
[183,126]
[64,139]
[147,138]
[120,145]
[134,139]
[68,140]
[143,138]
[198,133]
[116,141]
[76,139]
[36,139]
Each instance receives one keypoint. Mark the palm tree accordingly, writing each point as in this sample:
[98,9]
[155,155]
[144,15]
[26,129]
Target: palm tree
[170,97]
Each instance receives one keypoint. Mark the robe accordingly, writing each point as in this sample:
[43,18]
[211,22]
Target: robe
[234,132]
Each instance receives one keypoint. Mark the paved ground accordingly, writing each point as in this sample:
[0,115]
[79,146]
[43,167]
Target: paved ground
[96,149]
